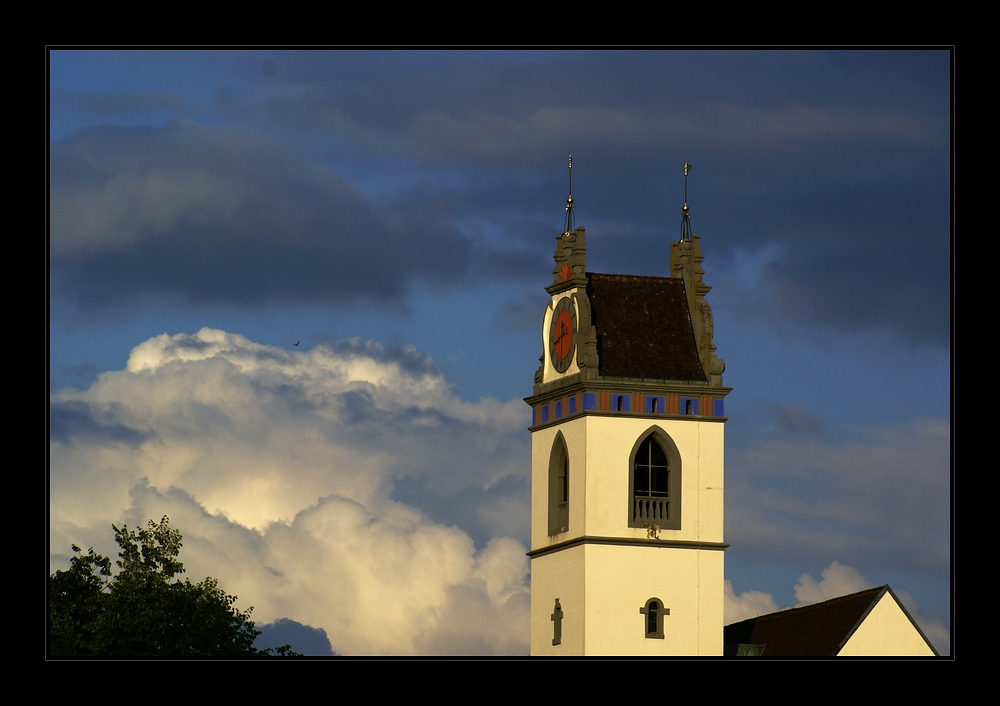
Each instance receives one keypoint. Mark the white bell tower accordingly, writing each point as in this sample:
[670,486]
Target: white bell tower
[627,461]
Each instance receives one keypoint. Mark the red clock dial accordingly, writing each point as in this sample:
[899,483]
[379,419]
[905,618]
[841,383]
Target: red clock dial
[562,334]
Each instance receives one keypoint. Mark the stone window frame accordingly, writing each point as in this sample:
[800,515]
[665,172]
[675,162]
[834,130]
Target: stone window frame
[694,403]
[674,467]
[558,486]
[660,611]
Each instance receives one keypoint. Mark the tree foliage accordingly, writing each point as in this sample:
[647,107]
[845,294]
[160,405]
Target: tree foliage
[143,609]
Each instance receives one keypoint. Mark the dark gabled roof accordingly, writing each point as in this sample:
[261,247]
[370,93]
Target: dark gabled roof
[818,630]
[643,328]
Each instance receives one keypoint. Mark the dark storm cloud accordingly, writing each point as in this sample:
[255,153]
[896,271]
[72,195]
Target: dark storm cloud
[223,216]
[840,157]
[528,107]
[797,421]
[866,235]
[883,501]
[522,313]
[103,103]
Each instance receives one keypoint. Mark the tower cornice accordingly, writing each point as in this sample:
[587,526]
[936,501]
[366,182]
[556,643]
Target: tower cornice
[628,542]
[572,398]
[575,384]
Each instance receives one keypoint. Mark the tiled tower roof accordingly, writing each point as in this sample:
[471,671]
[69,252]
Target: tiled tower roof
[643,328]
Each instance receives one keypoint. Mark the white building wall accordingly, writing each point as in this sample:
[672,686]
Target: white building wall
[886,631]
[558,575]
[600,586]
[620,580]
[609,445]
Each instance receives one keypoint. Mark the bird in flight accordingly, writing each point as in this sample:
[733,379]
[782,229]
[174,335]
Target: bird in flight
[296,343]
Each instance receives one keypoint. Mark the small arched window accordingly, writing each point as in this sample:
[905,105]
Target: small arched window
[653,623]
[654,483]
[559,487]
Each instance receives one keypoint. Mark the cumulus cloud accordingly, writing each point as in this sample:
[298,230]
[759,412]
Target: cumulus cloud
[838,580]
[279,468]
[748,604]
[881,499]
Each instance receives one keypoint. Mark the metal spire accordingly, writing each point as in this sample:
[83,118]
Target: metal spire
[570,224]
[685,214]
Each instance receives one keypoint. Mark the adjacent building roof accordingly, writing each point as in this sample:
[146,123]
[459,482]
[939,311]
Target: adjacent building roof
[643,328]
[824,629]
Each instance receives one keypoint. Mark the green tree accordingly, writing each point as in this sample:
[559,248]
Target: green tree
[144,610]
[76,601]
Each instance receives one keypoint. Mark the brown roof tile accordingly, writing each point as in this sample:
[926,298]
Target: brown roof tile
[643,327]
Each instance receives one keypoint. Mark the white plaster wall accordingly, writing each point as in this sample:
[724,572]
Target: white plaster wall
[549,373]
[558,575]
[602,587]
[619,581]
[609,497]
[886,631]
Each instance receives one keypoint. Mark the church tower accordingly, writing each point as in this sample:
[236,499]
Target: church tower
[627,460]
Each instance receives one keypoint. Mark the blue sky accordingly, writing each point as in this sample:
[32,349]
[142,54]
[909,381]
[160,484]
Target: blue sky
[395,212]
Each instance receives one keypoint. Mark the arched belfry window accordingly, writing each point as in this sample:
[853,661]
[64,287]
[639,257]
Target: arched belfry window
[655,482]
[558,487]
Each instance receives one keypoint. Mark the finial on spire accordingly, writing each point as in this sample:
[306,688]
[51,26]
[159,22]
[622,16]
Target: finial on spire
[685,214]
[570,220]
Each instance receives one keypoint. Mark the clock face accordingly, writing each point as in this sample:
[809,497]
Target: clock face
[562,334]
